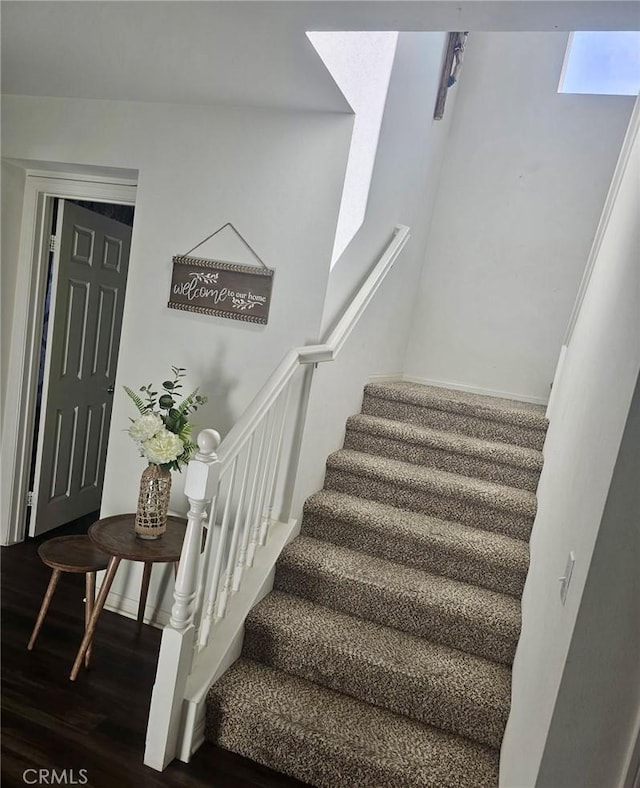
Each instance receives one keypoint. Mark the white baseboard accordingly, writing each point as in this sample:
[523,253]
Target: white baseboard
[227,636]
[390,378]
[444,384]
[125,606]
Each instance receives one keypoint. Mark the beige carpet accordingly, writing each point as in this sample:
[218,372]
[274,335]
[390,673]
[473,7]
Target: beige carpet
[382,658]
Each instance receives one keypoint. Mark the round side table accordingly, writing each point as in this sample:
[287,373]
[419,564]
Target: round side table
[77,554]
[116,537]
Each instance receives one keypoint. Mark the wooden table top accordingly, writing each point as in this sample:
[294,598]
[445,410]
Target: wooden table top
[116,536]
[73,554]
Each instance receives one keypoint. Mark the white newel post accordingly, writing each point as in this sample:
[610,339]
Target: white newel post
[176,648]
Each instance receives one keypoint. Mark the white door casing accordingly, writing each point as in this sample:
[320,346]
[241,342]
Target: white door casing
[90,271]
[41,187]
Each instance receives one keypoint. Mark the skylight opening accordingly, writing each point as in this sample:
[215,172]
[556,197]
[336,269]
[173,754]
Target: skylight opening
[604,63]
[360,63]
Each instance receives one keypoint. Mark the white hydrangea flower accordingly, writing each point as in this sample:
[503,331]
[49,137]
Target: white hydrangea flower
[146,427]
[163,447]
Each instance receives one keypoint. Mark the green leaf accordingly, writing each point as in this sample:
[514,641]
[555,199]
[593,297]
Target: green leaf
[187,403]
[168,385]
[185,434]
[138,402]
[166,401]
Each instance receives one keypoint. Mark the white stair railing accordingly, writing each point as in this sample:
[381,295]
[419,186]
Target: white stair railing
[176,648]
[245,486]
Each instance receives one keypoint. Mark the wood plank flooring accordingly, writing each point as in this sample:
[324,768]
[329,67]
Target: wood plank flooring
[98,723]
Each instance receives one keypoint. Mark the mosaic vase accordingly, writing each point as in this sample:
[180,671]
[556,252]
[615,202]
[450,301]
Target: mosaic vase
[153,502]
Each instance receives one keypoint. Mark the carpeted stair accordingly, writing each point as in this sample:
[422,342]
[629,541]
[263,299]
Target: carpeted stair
[383,655]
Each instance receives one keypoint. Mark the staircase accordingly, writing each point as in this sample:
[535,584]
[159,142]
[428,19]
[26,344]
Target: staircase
[383,655]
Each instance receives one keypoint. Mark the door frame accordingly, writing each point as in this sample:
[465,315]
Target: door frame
[41,189]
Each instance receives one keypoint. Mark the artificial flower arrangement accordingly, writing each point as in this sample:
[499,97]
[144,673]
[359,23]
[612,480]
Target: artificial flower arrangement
[162,431]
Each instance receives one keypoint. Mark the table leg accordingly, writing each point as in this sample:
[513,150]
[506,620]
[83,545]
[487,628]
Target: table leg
[114,562]
[146,576]
[90,595]
[55,576]
[176,566]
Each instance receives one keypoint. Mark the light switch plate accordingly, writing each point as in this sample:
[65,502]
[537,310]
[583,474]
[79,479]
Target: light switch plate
[566,578]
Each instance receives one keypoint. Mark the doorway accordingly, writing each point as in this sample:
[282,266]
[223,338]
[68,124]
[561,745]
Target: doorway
[44,193]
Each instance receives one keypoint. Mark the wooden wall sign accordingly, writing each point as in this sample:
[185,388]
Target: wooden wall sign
[212,287]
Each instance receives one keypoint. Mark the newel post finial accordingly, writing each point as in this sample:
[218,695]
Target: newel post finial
[202,473]
[208,441]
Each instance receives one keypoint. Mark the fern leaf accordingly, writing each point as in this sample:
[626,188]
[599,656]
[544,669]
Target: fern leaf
[189,450]
[187,403]
[137,401]
[185,434]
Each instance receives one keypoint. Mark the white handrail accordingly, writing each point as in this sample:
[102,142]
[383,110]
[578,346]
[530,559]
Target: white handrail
[208,577]
[352,314]
[311,354]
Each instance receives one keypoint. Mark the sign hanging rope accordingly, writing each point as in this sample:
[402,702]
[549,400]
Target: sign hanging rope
[244,241]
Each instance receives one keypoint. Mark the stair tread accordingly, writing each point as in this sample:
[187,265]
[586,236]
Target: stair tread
[503,453]
[443,483]
[524,414]
[439,670]
[491,548]
[323,735]
[466,603]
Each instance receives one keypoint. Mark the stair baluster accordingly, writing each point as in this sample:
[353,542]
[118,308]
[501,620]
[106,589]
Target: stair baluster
[214,578]
[227,583]
[274,468]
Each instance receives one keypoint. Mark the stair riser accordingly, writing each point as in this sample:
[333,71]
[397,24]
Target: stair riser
[300,753]
[420,454]
[296,752]
[404,612]
[374,683]
[473,514]
[453,422]
[432,557]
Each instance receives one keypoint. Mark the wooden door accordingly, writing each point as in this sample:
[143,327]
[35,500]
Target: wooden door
[90,271]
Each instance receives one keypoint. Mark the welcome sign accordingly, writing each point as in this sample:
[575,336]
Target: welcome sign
[212,287]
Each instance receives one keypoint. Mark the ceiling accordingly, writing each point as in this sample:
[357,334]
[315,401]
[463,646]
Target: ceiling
[242,52]
[179,52]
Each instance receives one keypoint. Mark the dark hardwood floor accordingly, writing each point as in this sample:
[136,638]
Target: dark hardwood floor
[98,723]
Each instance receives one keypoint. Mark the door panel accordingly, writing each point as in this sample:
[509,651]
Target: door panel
[107,321]
[93,446]
[90,269]
[76,306]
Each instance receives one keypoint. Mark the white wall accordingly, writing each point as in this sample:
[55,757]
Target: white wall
[360,63]
[402,190]
[406,170]
[592,729]
[12,193]
[276,175]
[524,179]
[592,406]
